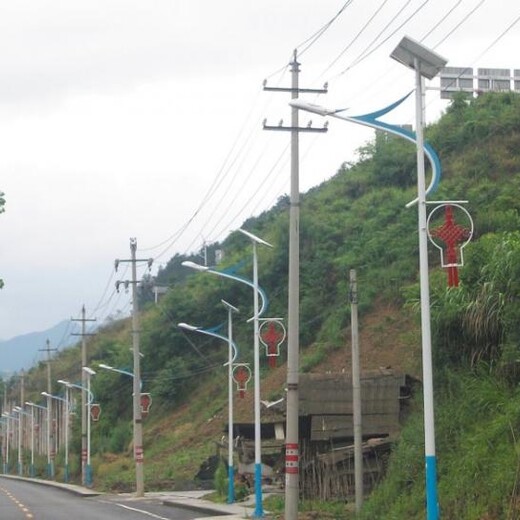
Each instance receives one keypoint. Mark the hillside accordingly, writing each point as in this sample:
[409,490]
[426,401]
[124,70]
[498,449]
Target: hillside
[357,219]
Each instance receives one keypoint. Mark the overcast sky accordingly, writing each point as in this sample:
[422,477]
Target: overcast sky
[126,118]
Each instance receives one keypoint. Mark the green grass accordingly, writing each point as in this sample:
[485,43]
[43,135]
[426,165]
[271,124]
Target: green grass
[477,432]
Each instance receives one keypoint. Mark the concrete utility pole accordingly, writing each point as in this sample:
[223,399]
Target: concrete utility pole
[50,424]
[137,416]
[356,392]
[293,340]
[84,363]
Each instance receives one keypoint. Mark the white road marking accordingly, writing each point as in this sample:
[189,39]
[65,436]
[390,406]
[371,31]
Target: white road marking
[147,513]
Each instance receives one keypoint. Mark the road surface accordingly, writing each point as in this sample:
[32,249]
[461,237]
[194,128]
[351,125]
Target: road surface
[20,500]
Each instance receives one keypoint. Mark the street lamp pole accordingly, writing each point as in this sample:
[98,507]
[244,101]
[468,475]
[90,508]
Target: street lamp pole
[20,411]
[257,291]
[19,439]
[66,474]
[5,444]
[6,416]
[64,400]
[259,512]
[231,474]
[88,467]
[427,64]
[232,354]
[11,417]
[32,471]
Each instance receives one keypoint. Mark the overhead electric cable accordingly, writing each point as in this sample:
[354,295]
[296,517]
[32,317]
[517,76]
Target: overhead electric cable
[241,209]
[443,19]
[360,32]
[366,53]
[311,40]
[210,190]
[499,37]
[463,21]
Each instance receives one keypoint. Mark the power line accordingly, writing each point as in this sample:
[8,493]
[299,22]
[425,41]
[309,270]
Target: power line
[360,32]
[366,52]
[443,19]
[464,20]
[311,40]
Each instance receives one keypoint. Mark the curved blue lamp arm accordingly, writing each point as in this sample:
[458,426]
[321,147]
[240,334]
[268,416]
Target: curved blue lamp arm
[371,121]
[229,273]
[212,332]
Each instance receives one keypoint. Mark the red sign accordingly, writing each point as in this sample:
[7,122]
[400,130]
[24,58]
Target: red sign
[139,454]
[291,458]
[95,411]
[453,235]
[272,334]
[146,402]
[241,376]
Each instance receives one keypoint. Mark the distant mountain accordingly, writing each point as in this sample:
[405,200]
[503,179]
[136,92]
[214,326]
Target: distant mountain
[22,352]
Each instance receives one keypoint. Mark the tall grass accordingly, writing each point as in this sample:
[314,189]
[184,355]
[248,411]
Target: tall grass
[477,434]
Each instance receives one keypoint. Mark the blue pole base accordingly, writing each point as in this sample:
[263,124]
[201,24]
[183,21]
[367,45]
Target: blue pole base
[88,475]
[432,502]
[66,474]
[231,485]
[259,511]
[32,471]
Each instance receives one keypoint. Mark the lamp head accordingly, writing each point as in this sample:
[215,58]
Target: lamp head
[193,265]
[254,237]
[187,327]
[311,107]
[88,370]
[229,307]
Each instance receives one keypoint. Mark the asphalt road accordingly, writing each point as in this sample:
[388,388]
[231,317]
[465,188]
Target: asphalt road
[21,500]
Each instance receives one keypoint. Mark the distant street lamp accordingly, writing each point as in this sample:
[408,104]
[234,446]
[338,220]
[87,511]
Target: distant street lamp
[66,401]
[33,406]
[88,468]
[20,455]
[8,417]
[20,410]
[66,474]
[90,398]
[258,512]
[5,444]
[232,354]
[118,370]
[426,63]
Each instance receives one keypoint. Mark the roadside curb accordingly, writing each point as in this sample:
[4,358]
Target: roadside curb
[208,508]
[70,488]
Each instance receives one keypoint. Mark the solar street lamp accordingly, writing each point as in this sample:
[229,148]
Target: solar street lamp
[257,312]
[20,410]
[426,64]
[33,406]
[88,467]
[232,354]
